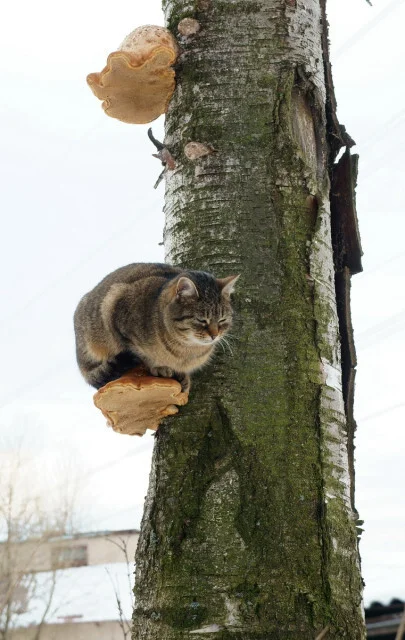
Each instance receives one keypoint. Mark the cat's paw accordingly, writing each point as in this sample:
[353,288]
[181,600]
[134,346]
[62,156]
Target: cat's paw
[162,372]
[184,380]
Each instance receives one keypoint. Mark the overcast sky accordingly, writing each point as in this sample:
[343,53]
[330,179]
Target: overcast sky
[77,201]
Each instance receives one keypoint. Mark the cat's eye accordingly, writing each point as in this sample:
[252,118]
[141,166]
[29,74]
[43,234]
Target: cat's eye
[202,321]
[222,320]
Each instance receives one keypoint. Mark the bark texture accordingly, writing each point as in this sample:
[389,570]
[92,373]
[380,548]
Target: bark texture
[249,530]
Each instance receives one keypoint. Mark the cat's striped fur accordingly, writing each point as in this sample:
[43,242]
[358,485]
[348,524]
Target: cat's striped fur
[167,318]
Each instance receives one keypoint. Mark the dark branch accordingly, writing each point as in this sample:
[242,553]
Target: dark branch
[163,155]
[159,146]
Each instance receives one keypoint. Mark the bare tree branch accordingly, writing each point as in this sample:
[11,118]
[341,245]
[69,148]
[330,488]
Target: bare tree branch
[29,517]
[123,622]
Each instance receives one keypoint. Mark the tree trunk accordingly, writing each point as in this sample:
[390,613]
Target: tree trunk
[249,530]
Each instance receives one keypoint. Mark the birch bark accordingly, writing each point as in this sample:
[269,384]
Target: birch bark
[248,530]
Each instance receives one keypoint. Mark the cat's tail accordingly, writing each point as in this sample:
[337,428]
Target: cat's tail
[99,374]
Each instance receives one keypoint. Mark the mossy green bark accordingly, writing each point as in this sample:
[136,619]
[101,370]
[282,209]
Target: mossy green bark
[248,531]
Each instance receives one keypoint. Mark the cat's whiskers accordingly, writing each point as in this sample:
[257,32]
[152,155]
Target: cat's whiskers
[225,341]
[232,337]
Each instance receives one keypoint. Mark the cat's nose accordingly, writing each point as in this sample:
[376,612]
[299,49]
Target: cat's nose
[213,330]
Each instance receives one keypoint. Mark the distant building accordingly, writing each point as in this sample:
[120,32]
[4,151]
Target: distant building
[90,578]
[383,620]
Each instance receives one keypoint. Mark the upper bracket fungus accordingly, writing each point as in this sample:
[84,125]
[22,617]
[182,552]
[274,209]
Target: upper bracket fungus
[138,81]
[138,401]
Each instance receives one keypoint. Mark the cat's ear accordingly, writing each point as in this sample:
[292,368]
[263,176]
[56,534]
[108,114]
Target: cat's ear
[227,285]
[186,288]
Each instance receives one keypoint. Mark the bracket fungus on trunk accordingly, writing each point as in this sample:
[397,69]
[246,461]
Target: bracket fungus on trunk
[138,401]
[137,83]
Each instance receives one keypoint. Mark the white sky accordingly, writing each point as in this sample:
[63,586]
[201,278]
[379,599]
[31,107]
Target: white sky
[77,201]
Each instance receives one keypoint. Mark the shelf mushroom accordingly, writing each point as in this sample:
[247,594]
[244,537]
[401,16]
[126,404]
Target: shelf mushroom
[138,401]
[137,83]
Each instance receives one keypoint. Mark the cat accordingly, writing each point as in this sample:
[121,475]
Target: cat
[164,317]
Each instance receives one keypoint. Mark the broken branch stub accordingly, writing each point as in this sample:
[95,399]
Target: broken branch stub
[138,81]
[138,401]
[188,27]
[195,150]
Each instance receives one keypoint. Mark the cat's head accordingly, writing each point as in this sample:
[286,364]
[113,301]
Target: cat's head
[199,309]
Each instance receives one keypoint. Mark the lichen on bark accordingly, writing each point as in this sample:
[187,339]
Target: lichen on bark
[248,530]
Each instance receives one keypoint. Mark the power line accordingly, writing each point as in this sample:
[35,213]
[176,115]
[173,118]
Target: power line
[393,324]
[379,338]
[382,412]
[379,162]
[112,463]
[381,132]
[23,389]
[380,331]
[376,327]
[371,336]
[391,122]
[119,512]
[111,237]
[381,265]
[394,120]
[68,273]
[366,28]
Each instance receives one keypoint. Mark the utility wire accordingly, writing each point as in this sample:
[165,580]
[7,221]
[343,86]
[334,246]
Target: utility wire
[23,389]
[112,463]
[119,512]
[380,266]
[385,131]
[382,412]
[370,416]
[358,35]
[394,318]
[378,162]
[107,241]
[393,121]
[68,273]
[381,330]
[107,465]
[378,338]
[365,339]
[380,133]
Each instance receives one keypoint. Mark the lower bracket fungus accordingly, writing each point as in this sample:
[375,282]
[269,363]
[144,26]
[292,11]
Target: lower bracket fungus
[138,401]
[138,81]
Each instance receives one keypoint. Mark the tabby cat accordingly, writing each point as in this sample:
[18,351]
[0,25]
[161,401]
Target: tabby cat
[167,318]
